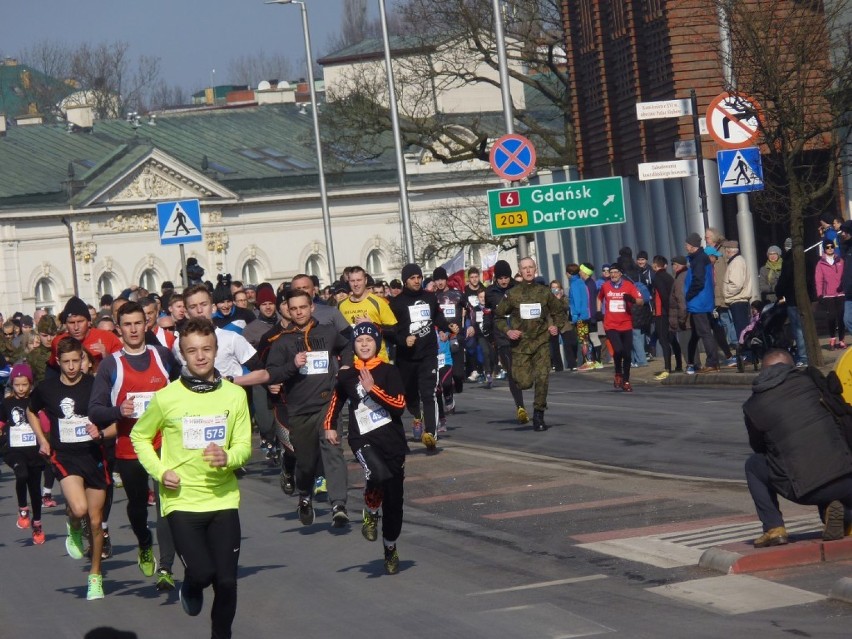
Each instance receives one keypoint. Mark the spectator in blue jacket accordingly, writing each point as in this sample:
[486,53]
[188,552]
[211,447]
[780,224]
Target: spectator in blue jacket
[700,299]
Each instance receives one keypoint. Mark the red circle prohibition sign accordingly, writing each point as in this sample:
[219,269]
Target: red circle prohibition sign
[734,120]
[513,157]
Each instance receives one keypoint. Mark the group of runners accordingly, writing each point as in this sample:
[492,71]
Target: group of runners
[158,399]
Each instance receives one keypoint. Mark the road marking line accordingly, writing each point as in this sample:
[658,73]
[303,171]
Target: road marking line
[660,529]
[508,490]
[601,503]
[541,584]
[736,594]
[648,550]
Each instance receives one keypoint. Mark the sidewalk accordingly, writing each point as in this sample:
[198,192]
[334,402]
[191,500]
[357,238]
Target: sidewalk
[725,377]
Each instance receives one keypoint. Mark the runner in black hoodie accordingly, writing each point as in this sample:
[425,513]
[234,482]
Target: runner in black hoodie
[417,313]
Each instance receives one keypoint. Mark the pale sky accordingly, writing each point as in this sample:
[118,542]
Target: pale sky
[191,37]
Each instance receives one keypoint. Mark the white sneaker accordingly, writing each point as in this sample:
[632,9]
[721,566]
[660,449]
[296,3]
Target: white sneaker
[473,376]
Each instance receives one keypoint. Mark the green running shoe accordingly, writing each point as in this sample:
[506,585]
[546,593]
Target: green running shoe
[369,529]
[146,561]
[165,580]
[96,588]
[391,560]
[74,542]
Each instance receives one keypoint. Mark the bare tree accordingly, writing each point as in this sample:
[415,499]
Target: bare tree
[252,68]
[163,96]
[50,80]
[795,59]
[114,83]
[450,45]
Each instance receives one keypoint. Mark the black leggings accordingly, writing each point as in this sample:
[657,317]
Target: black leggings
[388,495]
[208,545]
[32,484]
[834,314]
[135,480]
[622,349]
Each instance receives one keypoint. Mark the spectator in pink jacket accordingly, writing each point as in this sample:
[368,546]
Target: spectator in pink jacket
[829,271]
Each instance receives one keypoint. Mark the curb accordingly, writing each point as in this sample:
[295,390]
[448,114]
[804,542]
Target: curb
[711,379]
[801,553]
[842,590]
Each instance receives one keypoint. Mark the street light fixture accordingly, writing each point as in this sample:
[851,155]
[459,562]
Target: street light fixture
[326,216]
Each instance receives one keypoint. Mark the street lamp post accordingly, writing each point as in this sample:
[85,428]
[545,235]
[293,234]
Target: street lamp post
[326,216]
[397,140]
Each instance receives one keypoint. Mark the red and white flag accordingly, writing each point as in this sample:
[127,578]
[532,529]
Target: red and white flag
[455,270]
[487,268]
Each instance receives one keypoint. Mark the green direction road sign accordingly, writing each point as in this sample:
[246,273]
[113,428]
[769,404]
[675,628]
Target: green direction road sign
[548,207]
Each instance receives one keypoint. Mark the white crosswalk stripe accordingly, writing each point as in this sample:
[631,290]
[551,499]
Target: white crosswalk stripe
[684,548]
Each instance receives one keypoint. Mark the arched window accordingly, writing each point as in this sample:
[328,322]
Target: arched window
[474,256]
[45,295]
[149,280]
[251,272]
[108,285]
[430,259]
[375,264]
[314,266]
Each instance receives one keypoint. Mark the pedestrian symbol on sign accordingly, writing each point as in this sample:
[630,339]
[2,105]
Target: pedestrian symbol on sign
[509,199]
[178,221]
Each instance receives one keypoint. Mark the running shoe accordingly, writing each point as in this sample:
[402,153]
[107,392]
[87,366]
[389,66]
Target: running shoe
[306,511]
[617,381]
[473,376]
[841,344]
[96,588]
[116,480]
[23,518]
[501,375]
[391,560]
[370,527]
[832,343]
[417,429]
[690,369]
[626,387]
[106,551]
[451,406]
[598,366]
[38,534]
[588,366]
[152,499]
[147,563]
[429,441]
[288,484]
[320,486]
[47,501]
[74,542]
[523,418]
[339,516]
[191,604]
[442,425]
[731,362]
[661,376]
[165,580]
[489,381]
[834,528]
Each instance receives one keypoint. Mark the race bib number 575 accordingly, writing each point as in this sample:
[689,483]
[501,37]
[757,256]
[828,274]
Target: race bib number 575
[200,432]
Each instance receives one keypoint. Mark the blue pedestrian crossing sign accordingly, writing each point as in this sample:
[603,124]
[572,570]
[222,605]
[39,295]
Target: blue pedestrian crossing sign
[179,222]
[740,170]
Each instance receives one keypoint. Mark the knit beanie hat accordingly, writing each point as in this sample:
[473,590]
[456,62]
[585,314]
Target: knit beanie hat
[694,239]
[439,273]
[265,293]
[21,370]
[502,269]
[410,270]
[222,292]
[74,306]
[773,249]
[370,329]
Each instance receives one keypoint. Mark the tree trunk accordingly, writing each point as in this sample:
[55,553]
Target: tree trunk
[800,282]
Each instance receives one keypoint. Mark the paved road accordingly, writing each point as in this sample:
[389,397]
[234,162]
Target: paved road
[498,542]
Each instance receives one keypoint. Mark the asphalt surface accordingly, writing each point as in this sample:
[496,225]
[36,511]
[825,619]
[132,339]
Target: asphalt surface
[490,544]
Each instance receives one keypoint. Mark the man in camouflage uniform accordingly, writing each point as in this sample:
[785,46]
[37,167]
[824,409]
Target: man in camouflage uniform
[38,357]
[529,315]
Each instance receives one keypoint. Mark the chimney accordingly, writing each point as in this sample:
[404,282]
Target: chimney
[82,117]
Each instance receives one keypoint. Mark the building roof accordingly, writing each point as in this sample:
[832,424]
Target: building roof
[247,151]
[15,96]
[372,48]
